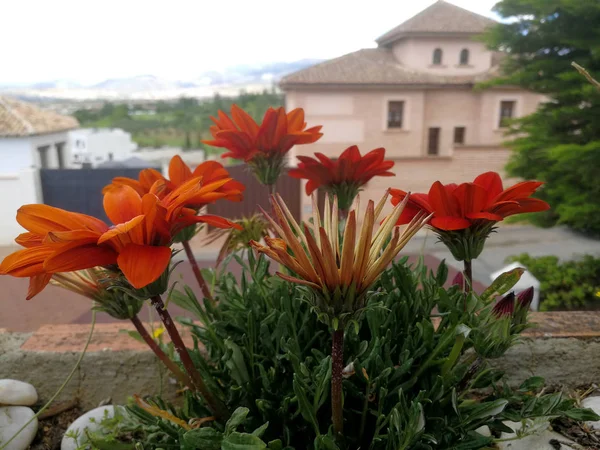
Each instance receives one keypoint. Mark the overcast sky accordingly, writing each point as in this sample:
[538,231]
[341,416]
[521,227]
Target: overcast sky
[88,41]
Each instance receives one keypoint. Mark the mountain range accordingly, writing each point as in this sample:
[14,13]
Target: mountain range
[227,82]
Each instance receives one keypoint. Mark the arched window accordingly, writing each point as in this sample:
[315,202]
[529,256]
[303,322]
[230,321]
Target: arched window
[437,56]
[464,57]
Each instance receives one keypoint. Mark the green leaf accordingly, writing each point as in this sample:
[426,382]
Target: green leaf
[325,442]
[484,410]
[306,408]
[242,441]
[133,334]
[275,445]
[236,363]
[236,419]
[582,414]
[261,430]
[442,273]
[204,438]
[187,300]
[502,284]
[532,384]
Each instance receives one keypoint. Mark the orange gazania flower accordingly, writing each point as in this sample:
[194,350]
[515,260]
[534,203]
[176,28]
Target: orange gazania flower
[344,176]
[339,272]
[464,215]
[146,227]
[262,146]
[215,179]
[56,241]
[457,207]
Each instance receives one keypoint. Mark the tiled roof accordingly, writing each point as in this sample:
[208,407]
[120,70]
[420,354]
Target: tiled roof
[24,119]
[441,17]
[376,66]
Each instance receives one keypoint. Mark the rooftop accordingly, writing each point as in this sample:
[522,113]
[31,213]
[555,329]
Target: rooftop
[441,17]
[376,66]
[24,119]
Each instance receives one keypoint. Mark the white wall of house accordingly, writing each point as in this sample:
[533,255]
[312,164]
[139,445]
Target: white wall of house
[97,145]
[16,154]
[16,189]
[20,153]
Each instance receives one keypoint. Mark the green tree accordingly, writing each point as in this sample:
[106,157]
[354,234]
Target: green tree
[181,123]
[560,143]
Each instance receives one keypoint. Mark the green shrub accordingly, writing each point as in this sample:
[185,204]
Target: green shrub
[569,285]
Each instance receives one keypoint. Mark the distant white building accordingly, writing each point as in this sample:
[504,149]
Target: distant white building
[31,137]
[94,146]
[162,156]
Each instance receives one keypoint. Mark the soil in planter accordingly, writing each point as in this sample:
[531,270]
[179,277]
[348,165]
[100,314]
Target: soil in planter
[51,430]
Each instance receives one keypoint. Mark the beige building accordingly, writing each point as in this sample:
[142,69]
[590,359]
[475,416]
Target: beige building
[414,95]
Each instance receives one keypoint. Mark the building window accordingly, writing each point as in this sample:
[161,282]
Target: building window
[437,57]
[464,57]
[395,114]
[507,112]
[433,144]
[43,151]
[60,154]
[459,135]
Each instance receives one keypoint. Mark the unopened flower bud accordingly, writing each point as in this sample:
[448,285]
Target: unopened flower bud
[458,280]
[505,307]
[525,298]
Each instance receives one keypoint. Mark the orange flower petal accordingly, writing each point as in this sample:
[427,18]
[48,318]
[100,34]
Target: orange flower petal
[70,236]
[518,191]
[41,219]
[27,262]
[217,221]
[243,120]
[122,204]
[179,172]
[29,239]
[37,284]
[143,264]
[77,257]
[124,233]
[450,223]
[471,198]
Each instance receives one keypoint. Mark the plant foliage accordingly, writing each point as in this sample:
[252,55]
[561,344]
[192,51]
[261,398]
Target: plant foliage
[413,379]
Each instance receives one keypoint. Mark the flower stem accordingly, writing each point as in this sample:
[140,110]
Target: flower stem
[468,272]
[197,273]
[468,276]
[216,405]
[168,362]
[337,367]
[272,189]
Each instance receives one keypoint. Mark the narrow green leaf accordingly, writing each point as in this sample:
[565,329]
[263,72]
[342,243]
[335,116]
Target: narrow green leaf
[502,284]
[133,334]
[261,430]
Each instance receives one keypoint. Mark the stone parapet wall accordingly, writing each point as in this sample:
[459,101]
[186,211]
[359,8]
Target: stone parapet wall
[564,348]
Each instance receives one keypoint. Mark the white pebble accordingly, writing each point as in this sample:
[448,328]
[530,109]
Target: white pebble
[12,418]
[484,430]
[594,404]
[83,423]
[17,393]
[538,440]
